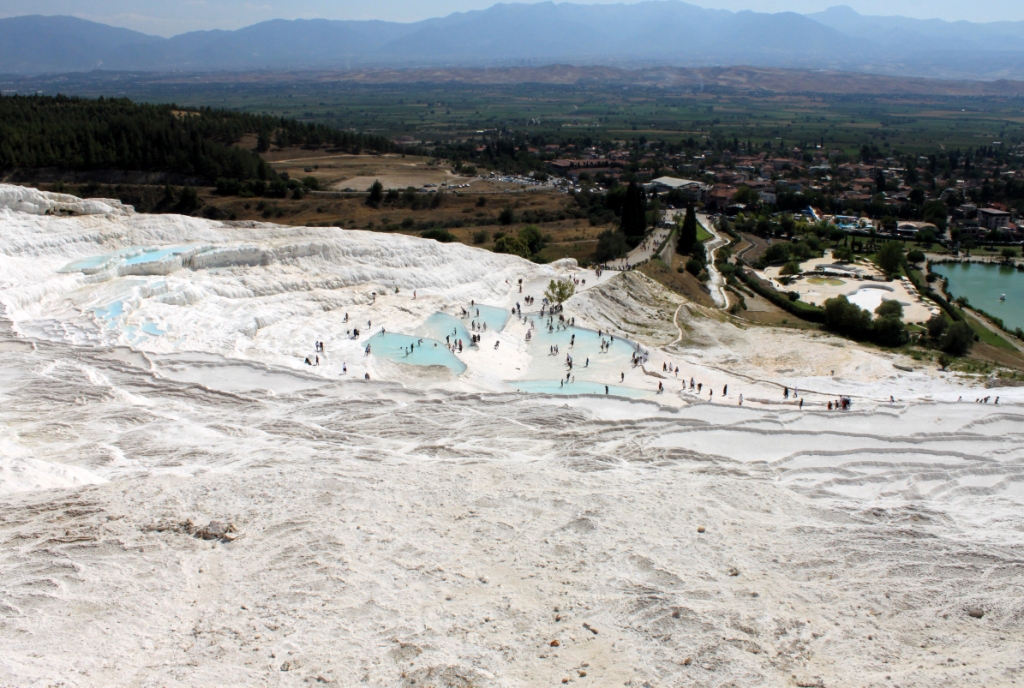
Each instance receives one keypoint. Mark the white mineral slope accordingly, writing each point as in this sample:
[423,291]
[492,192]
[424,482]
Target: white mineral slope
[390,535]
[436,533]
[246,290]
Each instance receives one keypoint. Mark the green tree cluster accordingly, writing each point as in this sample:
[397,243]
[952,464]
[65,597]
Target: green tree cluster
[77,134]
[80,134]
[512,244]
[852,321]
[955,338]
[698,262]
[890,258]
[611,244]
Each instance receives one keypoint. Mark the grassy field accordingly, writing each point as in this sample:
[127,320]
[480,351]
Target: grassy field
[987,335]
[430,112]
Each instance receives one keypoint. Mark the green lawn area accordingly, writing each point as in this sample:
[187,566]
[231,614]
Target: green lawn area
[986,335]
[703,234]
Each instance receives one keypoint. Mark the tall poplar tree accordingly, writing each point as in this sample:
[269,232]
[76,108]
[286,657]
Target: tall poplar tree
[634,215]
[688,232]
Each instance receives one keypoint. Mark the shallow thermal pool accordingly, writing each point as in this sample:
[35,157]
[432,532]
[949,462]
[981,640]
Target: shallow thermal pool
[493,317]
[156,255]
[413,350]
[441,325]
[603,365]
[593,368]
[477,318]
[133,255]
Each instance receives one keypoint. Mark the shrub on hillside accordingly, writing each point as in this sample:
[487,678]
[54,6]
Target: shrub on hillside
[532,237]
[437,234]
[611,244]
[957,339]
[513,245]
[937,326]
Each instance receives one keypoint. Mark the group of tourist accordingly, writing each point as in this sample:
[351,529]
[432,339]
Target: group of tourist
[454,345]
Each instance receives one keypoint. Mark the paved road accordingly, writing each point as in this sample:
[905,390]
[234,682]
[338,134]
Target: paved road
[642,252]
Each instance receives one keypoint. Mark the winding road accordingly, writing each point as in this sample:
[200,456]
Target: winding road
[717,282]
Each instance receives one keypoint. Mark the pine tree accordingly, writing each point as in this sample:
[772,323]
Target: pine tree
[634,215]
[376,194]
[688,232]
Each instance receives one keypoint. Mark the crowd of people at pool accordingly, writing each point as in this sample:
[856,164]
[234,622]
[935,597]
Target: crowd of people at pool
[556,321]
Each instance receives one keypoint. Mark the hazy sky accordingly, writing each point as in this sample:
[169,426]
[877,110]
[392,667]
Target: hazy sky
[168,17]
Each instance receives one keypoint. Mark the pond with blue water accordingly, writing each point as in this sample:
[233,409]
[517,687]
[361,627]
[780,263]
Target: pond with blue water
[419,351]
[983,284]
[157,254]
[133,255]
[597,357]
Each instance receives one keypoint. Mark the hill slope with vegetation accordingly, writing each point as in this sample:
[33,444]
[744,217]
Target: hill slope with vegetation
[82,135]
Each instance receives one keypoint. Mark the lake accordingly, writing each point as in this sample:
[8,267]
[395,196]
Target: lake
[983,284]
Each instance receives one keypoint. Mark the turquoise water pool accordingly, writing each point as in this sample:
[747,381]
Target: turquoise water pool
[426,352]
[137,256]
[574,388]
[983,284]
[587,343]
[93,262]
[111,313]
[155,255]
[495,318]
[441,325]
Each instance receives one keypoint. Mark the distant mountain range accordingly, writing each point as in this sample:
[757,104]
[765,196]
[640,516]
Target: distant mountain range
[662,32]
